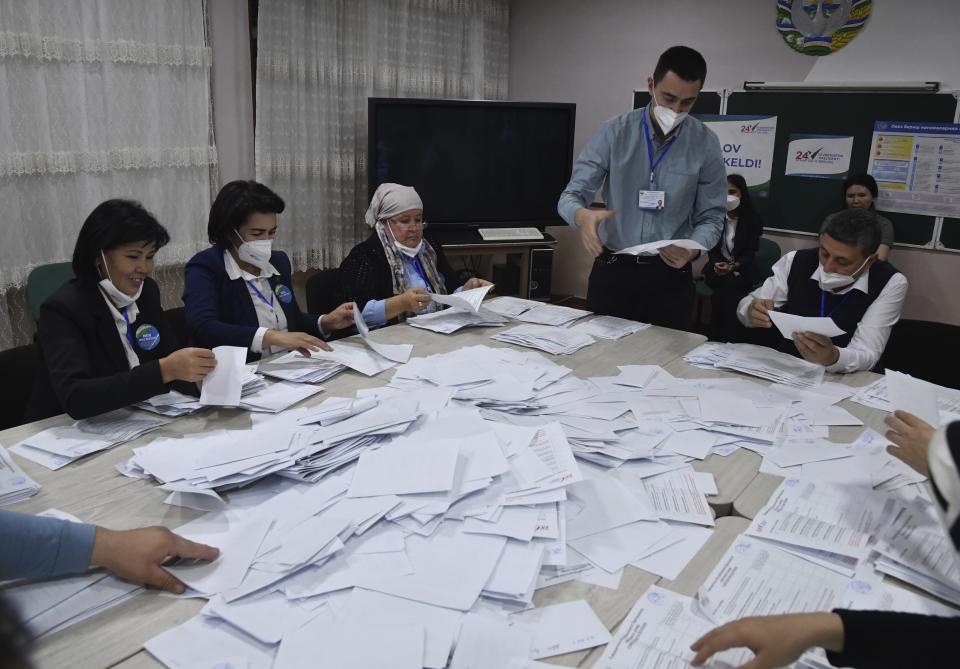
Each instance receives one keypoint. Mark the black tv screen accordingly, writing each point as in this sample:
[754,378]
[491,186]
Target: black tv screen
[488,164]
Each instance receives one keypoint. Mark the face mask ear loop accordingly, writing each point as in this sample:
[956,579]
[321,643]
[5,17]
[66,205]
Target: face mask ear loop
[105,268]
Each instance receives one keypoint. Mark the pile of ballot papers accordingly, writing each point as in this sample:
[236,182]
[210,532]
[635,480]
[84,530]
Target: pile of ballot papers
[760,361]
[610,327]
[451,320]
[550,338]
[531,311]
[57,447]
[15,485]
[172,404]
[298,368]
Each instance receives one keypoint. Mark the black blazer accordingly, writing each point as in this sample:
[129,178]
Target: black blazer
[746,242]
[83,368]
[365,273]
[220,311]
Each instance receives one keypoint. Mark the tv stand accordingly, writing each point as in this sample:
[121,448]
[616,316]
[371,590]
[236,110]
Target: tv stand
[468,242]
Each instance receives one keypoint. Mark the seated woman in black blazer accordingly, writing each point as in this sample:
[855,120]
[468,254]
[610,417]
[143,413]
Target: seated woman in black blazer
[103,338]
[730,269]
[238,292]
[390,274]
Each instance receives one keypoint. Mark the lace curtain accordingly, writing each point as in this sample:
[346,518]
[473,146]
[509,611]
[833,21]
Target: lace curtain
[318,62]
[101,99]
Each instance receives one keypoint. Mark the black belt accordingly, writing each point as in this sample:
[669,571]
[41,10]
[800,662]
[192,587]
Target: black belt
[608,257]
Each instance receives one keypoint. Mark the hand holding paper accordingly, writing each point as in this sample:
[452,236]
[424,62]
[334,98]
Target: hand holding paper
[791,324]
[651,248]
[469,300]
[224,384]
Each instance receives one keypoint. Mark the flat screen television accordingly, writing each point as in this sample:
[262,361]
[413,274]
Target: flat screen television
[474,163]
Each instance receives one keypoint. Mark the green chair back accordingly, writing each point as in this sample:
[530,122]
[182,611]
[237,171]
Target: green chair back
[43,281]
[767,255]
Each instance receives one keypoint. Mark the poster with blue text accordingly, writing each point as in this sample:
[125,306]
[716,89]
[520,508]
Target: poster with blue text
[819,156]
[747,143]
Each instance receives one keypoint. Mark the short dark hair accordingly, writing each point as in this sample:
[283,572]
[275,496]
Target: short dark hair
[234,204]
[864,180]
[855,226]
[111,224]
[684,62]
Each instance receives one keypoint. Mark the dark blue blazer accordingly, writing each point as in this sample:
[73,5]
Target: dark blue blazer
[220,311]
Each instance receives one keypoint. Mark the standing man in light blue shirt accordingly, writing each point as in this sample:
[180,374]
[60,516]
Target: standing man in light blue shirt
[663,177]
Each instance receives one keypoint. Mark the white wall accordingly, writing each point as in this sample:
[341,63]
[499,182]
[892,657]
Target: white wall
[596,53]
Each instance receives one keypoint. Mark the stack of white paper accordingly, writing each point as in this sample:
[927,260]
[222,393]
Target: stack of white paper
[876,396]
[451,320]
[773,365]
[510,307]
[296,367]
[610,327]
[15,485]
[279,396]
[335,409]
[56,447]
[171,404]
[552,339]
[551,314]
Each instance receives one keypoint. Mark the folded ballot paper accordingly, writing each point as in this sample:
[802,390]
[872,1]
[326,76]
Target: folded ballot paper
[224,385]
[15,485]
[57,447]
[651,248]
[467,300]
[791,324]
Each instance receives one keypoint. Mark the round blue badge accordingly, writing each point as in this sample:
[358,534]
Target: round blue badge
[148,337]
[284,293]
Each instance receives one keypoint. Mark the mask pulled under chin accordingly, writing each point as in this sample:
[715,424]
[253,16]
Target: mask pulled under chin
[117,296]
[834,281]
[409,251]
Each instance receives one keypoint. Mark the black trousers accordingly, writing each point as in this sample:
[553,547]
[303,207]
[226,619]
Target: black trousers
[728,290]
[642,288]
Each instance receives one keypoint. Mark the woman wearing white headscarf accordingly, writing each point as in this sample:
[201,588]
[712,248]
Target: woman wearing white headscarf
[392,273]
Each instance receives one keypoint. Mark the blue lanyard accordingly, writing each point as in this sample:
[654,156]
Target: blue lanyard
[126,319]
[663,152]
[419,269]
[823,302]
[269,302]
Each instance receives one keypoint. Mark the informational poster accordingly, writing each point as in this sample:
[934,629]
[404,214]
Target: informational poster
[917,167]
[747,143]
[819,156]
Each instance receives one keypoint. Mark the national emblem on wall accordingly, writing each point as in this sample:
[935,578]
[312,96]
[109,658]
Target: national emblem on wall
[820,27]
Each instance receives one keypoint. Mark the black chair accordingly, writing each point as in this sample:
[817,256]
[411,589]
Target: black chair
[925,350]
[177,318]
[324,292]
[20,367]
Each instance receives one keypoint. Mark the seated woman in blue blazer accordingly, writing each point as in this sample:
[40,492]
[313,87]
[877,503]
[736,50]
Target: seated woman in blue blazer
[730,269]
[238,292]
[104,341]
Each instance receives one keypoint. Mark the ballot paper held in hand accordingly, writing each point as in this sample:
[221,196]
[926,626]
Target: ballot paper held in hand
[791,324]
[651,248]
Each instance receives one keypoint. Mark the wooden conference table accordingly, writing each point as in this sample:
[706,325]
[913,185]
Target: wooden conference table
[95,492]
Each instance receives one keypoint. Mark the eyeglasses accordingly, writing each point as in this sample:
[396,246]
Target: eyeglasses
[407,225]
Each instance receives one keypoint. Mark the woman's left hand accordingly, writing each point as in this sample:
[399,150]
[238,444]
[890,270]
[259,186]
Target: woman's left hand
[339,318]
[476,282]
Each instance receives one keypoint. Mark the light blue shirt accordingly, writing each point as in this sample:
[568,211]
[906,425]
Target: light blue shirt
[691,174]
[40,547]
[375,311]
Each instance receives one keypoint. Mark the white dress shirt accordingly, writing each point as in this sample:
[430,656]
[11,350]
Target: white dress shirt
[871,336]
[132,313]
[269,316]
[726,241]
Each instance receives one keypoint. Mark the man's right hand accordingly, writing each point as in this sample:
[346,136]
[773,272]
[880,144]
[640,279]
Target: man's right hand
[759,313]
[589,220]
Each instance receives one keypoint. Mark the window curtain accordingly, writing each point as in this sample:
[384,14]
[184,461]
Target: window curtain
[318,62]
[101,99]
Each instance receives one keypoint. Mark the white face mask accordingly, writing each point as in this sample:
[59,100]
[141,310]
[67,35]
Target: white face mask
[834,281]
[117,296]
[257,253]
[666,117]
[732,202]
[409,251]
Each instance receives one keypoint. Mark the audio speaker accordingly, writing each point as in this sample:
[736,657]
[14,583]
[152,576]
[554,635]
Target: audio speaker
[541,268]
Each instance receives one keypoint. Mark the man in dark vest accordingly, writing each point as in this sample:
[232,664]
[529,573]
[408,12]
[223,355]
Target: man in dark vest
[841,279]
